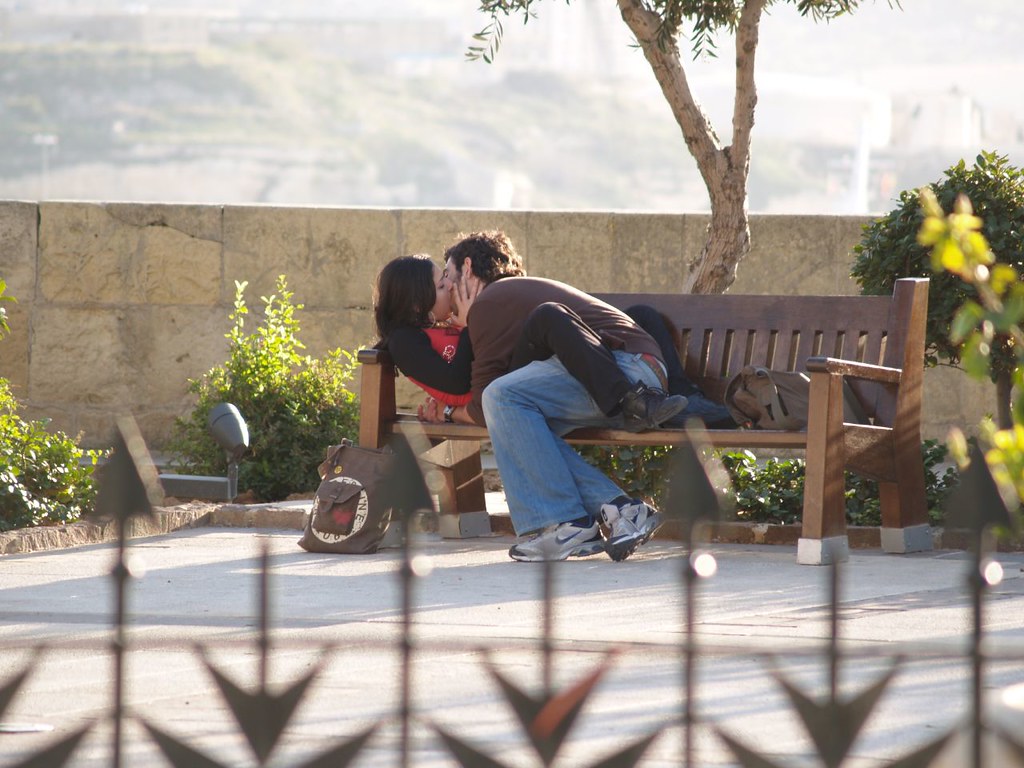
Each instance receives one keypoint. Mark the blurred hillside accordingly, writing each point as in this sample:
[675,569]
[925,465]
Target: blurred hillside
[233,124]
[342,103]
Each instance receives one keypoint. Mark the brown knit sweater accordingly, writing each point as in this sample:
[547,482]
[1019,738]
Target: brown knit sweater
[496,322]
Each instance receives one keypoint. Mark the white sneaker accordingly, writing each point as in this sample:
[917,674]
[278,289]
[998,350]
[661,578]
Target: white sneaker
[557,542]
[631,524]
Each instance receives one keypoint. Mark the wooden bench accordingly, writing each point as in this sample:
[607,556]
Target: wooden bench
[876,343]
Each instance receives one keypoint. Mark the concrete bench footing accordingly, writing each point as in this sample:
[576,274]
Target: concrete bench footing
[834,549]
[465,525]
[913,538]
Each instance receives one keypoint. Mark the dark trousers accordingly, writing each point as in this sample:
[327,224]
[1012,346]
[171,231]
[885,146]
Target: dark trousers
[713,414]
[554,329]
[648,318]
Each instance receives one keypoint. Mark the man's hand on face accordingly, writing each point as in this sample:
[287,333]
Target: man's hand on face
[464,293]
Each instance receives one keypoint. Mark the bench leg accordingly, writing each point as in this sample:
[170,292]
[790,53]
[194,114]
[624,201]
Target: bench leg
[823,538]
[904,503]
[376,403]
[455,474]
[897,537]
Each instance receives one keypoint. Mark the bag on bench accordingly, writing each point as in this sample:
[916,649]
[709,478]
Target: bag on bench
[348,515]
[761,398]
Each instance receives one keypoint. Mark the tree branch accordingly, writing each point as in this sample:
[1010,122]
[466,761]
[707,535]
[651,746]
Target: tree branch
[664,59]
[745,98]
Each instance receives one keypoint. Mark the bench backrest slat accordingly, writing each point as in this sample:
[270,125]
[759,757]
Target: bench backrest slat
[723,333]
[719,334]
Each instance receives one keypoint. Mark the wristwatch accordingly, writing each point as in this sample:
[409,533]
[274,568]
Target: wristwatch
[448,411]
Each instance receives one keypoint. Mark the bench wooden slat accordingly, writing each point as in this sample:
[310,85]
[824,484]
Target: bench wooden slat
[718,352]
[807,345]
[740,346]
[871,347]
[695,354]
[760,347]
[407,423]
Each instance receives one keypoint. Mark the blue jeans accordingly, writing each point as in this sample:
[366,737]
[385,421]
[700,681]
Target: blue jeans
[708,410]
[528,410]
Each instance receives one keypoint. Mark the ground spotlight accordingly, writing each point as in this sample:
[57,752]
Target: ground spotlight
[229,431]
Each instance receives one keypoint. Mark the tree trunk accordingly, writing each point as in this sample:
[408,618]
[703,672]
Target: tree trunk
[727,243]
[724,169]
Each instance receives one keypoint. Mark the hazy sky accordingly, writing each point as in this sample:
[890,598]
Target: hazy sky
[926,47]
[908,53]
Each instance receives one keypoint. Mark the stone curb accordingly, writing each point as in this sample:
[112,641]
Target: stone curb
[269,516]
[162,521]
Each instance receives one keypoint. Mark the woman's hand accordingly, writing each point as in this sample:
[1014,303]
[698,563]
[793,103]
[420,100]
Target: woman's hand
[430,410]
[464,293]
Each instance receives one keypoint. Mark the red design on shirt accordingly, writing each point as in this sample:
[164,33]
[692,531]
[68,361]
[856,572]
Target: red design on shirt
[445,342]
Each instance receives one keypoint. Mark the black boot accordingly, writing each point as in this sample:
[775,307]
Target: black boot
[646,408]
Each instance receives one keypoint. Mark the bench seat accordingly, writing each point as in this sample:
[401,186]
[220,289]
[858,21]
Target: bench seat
[720,438]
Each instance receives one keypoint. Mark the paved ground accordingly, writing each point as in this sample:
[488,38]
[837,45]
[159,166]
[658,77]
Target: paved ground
[200,589]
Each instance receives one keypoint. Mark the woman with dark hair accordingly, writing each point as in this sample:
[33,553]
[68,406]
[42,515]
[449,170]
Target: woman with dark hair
[413,312]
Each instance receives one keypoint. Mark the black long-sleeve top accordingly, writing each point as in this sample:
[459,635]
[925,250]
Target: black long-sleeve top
[414,356]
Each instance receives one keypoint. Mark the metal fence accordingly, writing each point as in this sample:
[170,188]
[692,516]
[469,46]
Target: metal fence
[549,718]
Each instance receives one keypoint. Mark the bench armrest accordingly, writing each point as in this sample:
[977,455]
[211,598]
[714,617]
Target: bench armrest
[373,356]
[833,365]
[376,396]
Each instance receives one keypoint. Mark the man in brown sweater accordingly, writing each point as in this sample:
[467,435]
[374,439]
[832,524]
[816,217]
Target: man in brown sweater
[556,499]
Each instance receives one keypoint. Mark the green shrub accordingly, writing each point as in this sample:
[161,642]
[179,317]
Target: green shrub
[294,405]
[958,245]
[45,478]
[4,327]
[889,249]
[639,470]
[767,491]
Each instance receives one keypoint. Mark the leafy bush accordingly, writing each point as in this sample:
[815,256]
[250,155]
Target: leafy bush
[768,491]
[43,478]
[771,491]
[889,249]
[639,470]
[958,244]
[294,405]
[4,327]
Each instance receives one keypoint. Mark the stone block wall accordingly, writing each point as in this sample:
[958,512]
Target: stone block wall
[119,304]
